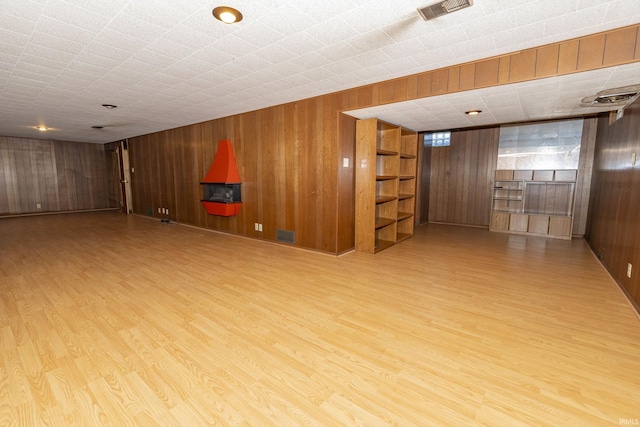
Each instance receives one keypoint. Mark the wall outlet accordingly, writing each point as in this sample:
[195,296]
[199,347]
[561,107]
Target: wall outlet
[38,206]
[629,267]
[345,162]
[259,227]
[159,210]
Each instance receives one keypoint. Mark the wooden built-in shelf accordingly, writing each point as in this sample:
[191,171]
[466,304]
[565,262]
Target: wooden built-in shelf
[534,202]
[386,156]
[385,199]
[382,244]
[381,152]
[402,236]
[383,222]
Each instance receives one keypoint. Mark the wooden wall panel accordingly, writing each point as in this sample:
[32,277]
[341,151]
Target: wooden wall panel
[613,226]
[60,176]
[620,46]
[290,155]
[461,177]
[591,52]
[346,183]
[583,181]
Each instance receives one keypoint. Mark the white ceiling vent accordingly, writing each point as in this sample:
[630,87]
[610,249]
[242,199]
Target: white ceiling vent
[615,97]
[443,8]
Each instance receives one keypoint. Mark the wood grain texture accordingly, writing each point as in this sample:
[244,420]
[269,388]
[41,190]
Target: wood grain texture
[461,178]
[289,155]
[60,176]
[527,331]
[613,229]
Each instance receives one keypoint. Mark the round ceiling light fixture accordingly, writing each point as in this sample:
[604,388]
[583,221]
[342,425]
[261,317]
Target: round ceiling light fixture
[42,128]
[97,127]
[227,14]
[109,106]
[473,112]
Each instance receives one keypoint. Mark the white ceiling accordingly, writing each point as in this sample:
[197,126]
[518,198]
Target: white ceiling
[168,63]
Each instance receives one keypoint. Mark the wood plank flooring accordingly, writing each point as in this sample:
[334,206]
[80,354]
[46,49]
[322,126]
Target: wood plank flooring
[107,319]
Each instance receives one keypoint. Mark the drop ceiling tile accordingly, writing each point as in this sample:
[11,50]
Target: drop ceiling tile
[135,28]
[10,53]
[16,25]
[260,34]
[66,12]
[115,39]
[58,44]
[271,54]
[584,18]
[153,59]
[104,8]
[25,9]
[477,47]
[185,36]
[338,52]
[518,38]
[155,13]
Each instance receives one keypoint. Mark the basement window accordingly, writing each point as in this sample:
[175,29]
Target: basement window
[437,139]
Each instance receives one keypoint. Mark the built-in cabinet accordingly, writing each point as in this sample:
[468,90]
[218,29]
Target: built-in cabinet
[538,202]
[386,165]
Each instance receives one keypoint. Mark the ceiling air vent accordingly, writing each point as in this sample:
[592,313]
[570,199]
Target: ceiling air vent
[615,98]
[443,8]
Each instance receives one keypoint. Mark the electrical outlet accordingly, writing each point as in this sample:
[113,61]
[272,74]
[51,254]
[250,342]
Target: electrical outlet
[259,227]
[629,267]
[345,162]
[255,227]
[38,206]
[159,210]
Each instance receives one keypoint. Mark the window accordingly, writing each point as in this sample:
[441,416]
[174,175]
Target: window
[437,139]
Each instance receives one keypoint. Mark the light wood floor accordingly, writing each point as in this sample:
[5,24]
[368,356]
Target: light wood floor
[113,320]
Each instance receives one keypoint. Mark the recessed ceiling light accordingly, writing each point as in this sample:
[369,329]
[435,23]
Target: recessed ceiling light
[227,14]
[473,112]
[42,128]
[109,106]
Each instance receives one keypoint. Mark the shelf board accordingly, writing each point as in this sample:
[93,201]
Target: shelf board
[404,215]
[402,236]
[382,244]
[407,156]
[383,222]
[507,198]
[381,152]
[510,211]
[405,196]
[406,177]
[385,177]
[384,199]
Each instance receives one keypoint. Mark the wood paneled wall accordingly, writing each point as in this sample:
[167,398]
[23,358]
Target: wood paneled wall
[290,156]
[613,227]
[462,176]
[288,161]
[60,176]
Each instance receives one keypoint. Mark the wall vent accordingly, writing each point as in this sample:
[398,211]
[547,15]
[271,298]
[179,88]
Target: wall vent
[443,8]
[286,236]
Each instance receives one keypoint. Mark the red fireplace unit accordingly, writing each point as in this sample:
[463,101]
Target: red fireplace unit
[221,185]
